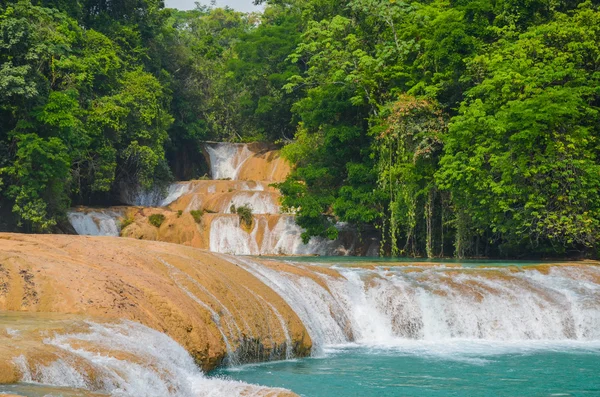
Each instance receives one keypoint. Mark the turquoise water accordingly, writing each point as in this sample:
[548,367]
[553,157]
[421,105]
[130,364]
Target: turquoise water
[461,369]
[351,261]
[478,330]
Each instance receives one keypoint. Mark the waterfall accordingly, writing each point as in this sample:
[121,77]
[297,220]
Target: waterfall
[260,202]
[227,236]
[285,238]
[128,359]
[388,306]
[155,197]
[96,223]
[243,175]
[321,315]
[175,191]
[423,309]
[226,159]
[230,161]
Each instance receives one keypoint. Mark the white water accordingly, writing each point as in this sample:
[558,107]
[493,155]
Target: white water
[156,197]
[175,191]
[286,238]
[226,236]
[441,306]
[106,222]
[128,360]
[226,159]
[96,223]
[260,202]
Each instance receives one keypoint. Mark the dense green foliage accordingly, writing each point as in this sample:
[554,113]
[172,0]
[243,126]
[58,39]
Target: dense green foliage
[454,127]
[462,127]
[79,113]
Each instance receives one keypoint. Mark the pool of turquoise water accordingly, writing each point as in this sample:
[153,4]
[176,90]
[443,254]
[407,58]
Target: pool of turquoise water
[455,369]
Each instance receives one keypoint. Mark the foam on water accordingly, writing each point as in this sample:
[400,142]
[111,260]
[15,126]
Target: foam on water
[370,372]
[259,202]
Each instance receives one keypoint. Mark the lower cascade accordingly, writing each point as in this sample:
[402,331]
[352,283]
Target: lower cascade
[190,307]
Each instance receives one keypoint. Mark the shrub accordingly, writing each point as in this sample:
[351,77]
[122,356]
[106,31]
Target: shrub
[197,214]
[179,213]
[157,219]
[245,214]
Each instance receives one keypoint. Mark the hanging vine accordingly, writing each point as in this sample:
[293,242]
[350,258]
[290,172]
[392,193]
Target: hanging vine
[408,142]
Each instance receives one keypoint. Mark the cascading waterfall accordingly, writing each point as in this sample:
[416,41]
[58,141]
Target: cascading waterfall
[396,305]
[156,197]
[226,159]
[236,170]
[285,238]
[425,309]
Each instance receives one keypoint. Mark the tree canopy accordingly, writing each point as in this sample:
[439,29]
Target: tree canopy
[456,127]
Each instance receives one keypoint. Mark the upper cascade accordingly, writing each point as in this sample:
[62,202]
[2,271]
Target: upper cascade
[203,213]
[246,162]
